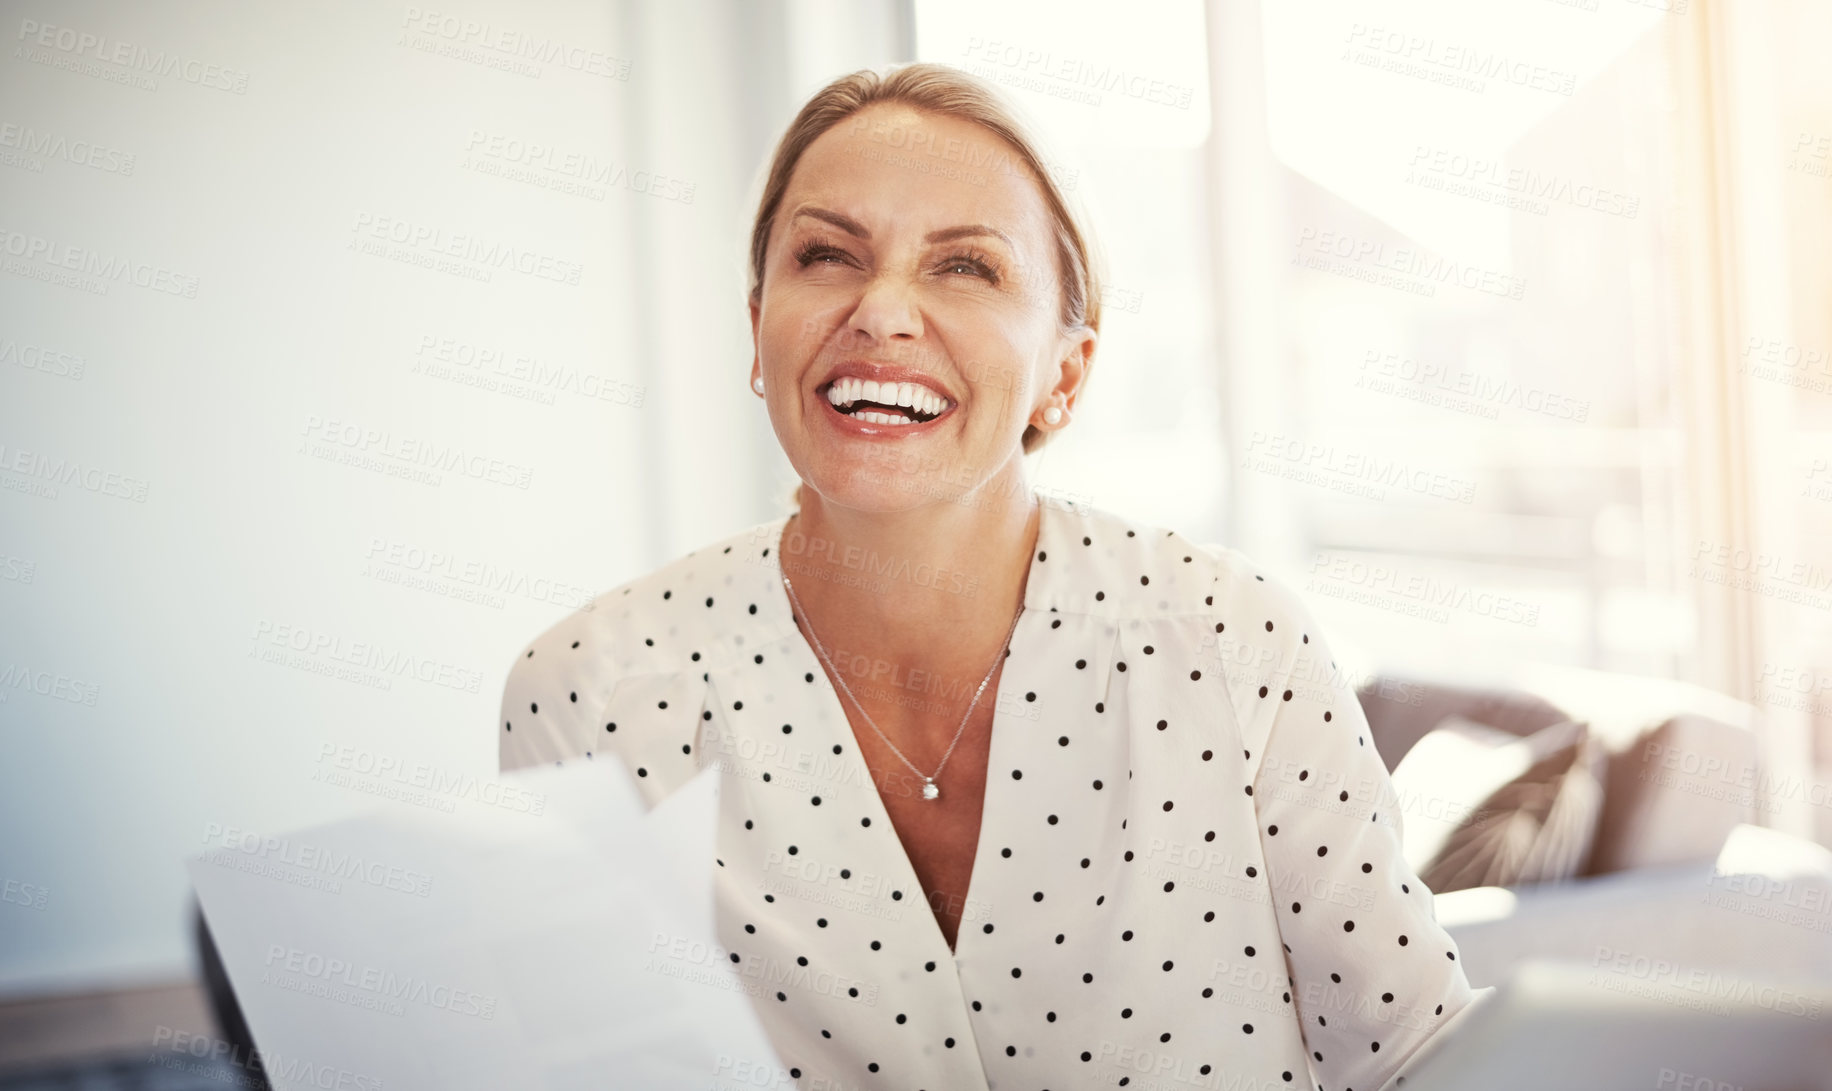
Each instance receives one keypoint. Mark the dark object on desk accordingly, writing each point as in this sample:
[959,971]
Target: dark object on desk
[229,1021]
[132,1070]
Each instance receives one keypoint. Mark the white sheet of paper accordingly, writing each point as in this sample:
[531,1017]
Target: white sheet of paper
[564,946]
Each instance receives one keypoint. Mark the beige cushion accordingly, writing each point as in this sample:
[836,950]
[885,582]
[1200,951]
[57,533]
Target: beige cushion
[1481,807]
[1675,795]
[1401,710]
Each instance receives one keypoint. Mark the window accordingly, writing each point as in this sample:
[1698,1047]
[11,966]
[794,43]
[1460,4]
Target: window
[1121,93]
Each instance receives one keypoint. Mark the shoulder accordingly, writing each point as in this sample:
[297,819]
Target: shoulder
[691,614]
[658,621]
[1250,624]
[1123,566]
[1258,599]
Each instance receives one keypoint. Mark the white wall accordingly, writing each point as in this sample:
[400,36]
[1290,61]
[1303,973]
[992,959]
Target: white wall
[236,349]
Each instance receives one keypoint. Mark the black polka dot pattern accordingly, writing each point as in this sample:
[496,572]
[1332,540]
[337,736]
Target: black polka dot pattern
[1129,898]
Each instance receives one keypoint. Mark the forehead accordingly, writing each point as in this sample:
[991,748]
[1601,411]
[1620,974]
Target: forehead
[895,168]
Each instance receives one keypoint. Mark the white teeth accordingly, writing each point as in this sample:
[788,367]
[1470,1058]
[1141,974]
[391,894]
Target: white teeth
[880,418]
[846,391]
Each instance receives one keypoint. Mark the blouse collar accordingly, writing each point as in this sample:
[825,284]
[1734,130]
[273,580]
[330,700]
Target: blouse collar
[1060,522]
[1086,561]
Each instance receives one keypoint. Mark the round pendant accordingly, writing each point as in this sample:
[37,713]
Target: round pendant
[929,790]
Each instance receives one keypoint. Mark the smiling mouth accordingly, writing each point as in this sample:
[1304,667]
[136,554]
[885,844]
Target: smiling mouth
[886,403]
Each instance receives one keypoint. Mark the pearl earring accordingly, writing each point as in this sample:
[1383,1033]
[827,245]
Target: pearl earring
[1052,415]
[757,384]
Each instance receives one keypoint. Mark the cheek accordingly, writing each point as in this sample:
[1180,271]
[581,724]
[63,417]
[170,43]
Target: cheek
[784,343]
[1002,393]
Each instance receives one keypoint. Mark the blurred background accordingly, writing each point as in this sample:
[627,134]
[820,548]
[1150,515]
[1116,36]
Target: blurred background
[346,346]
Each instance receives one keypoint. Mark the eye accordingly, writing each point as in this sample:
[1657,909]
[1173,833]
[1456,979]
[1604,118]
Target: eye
[975,264]
[817,251]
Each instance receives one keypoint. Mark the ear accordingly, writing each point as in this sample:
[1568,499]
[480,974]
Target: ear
[1077,356]
[756,351]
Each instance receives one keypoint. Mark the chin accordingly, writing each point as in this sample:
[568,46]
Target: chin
[880,489]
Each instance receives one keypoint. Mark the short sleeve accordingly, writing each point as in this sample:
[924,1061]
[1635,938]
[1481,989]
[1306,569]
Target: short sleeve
[1373,974]
[556,688]
[572,693]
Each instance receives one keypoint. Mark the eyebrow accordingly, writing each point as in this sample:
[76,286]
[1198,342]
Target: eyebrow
[947,234]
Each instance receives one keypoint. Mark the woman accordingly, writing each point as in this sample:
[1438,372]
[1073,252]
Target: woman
[1017,794]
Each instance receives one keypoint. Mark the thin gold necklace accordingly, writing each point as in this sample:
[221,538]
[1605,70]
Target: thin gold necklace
[929,788]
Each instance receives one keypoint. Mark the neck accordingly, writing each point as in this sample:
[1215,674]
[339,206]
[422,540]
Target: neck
[929,588]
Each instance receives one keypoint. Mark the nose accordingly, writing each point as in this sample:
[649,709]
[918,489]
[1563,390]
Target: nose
[886,311]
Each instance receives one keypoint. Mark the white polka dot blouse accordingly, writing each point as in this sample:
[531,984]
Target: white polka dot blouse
[1188,871]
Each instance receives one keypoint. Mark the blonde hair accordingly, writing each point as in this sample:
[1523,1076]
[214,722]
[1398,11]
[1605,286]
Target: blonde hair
[947,92]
